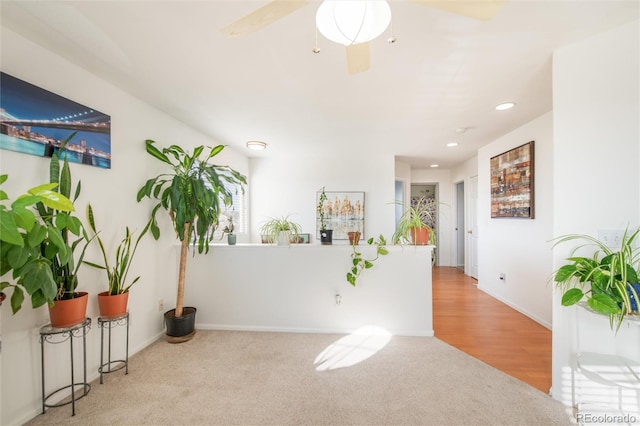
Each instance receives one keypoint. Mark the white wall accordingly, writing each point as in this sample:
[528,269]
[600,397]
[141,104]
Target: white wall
[463,173]
[596,175]
[519,248]
[287,185]
[113,196]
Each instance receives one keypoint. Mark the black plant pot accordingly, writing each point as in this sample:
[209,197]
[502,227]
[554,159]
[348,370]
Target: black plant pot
[326,236]
[180,329]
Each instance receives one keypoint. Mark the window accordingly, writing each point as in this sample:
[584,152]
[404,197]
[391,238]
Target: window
[235,214]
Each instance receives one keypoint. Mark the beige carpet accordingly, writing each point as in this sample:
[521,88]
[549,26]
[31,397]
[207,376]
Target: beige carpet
[252,378]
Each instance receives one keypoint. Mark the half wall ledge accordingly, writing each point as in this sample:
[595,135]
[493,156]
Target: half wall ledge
[303,288]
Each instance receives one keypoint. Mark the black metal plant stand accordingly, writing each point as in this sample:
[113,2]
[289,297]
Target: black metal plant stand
[49,334]
[112,366]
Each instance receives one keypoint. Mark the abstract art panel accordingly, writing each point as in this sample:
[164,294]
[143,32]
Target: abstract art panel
[512,183]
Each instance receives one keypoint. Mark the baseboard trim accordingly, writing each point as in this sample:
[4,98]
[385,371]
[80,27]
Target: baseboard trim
[414,333]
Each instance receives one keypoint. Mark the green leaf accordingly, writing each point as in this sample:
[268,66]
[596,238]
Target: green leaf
[214,151]
[351,279]
[37,234]
[3,178]
[38,299]
[604,304]
[74,225]
[25,201]
[368,264]
[565,273]
[55,201]
[156,152]
[9,230]
[65,180]
[16,299]
[18,256]
[572,296]
[24,218]
[56,238]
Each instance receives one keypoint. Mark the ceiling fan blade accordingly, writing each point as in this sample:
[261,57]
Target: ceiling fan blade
[482,10]
[358,58]
[262,17]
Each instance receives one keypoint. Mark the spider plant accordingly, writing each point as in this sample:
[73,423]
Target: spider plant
[610,275]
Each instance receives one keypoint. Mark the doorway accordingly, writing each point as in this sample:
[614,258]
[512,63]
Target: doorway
[460,228]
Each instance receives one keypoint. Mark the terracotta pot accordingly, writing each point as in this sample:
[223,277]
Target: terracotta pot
[112,306]
[354,237]
[420,236]
[66,313]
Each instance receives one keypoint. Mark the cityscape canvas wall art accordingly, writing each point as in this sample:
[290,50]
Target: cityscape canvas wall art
[344,212]
[512,182]
[35,121]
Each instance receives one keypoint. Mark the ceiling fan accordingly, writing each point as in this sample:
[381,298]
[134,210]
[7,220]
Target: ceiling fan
[357,46]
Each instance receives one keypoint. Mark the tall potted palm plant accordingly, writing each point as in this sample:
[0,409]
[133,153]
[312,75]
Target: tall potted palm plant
[192,192]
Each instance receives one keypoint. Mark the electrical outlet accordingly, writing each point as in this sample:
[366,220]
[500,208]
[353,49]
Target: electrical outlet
[161,305]
[612,238]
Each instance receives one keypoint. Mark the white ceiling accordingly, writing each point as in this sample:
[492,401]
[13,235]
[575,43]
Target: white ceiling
[444,72]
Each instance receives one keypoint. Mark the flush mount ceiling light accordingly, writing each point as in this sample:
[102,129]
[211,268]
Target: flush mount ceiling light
[504,106]
[256,145]
[352,22]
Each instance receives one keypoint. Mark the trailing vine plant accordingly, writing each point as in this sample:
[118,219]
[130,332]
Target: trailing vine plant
[360,263]
[320,209]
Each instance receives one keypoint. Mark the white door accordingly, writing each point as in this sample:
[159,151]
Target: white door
[472,229]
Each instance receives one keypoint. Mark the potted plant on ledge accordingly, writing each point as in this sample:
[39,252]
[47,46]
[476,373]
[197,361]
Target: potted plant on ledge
[280,230]
[326,235]
[113,302]
[228,231]
[608,279]
[413,226]
[192,192]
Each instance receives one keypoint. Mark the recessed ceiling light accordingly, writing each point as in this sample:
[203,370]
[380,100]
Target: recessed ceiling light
[506,105]
[435,165]
[256,145]
[451,144]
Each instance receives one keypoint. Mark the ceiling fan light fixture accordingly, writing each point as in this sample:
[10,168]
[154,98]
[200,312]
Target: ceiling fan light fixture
[353,21]
[256,145]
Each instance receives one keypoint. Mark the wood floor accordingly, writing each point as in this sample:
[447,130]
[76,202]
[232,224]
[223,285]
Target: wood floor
[487,329]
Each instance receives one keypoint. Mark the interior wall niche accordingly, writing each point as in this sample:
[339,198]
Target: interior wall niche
[430,192]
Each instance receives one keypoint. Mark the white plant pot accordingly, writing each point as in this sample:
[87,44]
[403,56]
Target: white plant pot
[284,238]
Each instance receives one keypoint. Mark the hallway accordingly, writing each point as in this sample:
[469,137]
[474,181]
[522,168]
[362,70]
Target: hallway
[489,330]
